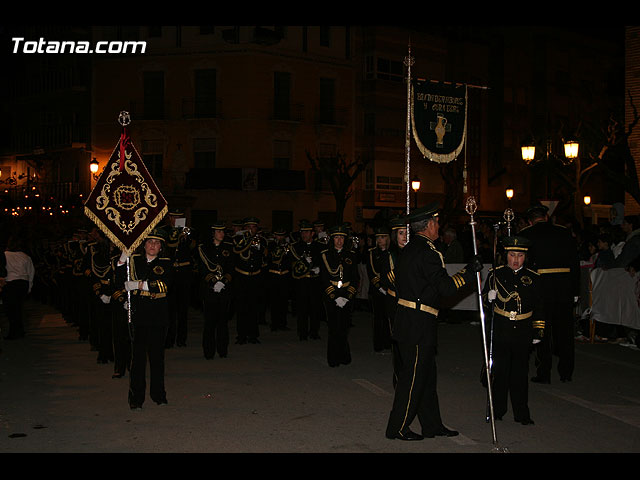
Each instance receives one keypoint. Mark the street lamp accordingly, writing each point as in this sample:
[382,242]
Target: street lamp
[509,193]
[93,166]
[415,185]
[571,149]
[587,200]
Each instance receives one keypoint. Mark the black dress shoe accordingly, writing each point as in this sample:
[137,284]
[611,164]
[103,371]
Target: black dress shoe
[162,401]
[135,406]
[117,375]
[540,380]
[408,436]
[442,432]
[565,379]
[526,421]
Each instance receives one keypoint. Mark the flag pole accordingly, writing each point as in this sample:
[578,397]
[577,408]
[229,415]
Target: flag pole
[471,208]
[408,61]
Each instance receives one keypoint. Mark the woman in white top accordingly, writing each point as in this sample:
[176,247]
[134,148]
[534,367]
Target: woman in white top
[16,286]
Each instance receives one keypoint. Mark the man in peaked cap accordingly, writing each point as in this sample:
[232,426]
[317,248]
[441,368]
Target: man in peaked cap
[249,250]
[151,276]
[180,248]
[512,293]
[421,281]
[554,255]
[215,269]
[279,279]
[377,261]
[305,271]
[339,277]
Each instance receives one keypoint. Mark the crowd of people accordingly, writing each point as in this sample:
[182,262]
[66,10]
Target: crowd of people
[131,306]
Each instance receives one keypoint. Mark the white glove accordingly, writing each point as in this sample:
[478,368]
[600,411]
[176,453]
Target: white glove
[382,291]
[536,340]
[105,299]
[491,295]
[307,258]
[575,299]
[123,258]
[218,287]
[316,270]
[126,305]
[131,285]
[341,301]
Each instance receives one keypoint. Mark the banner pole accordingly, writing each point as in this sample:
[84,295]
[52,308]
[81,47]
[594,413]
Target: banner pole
[408,61]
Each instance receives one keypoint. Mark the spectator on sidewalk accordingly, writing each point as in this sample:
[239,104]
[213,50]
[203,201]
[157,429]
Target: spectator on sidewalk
[16,285]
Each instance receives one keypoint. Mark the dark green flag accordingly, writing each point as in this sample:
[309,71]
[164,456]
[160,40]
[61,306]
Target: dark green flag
[439,119]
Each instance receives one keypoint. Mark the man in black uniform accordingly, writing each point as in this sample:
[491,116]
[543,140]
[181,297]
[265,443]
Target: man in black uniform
[215,267]
[339,277]
[518,321]
[305,271]
[149,283]
[398,227]
[554,255]
[377,263]
[249,249]
[101,280]
[180,247]
[421,281]
[279,279]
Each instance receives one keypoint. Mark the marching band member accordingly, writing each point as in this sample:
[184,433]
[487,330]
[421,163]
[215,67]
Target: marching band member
[339,277]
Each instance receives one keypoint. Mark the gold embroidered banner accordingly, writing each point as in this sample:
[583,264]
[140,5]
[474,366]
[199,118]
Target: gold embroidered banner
[439,119]
[125,203]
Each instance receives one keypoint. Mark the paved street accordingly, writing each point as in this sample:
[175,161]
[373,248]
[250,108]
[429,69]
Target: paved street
[281,397]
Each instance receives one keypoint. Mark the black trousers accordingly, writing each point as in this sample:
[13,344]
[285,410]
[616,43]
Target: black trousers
[510,369]
[14,294]
[179,300]
[396,360]
[121,338]
[148,343]
[415,393]
[308,306]
[381,325]
[279,300]
[558,338]
[338,324]
[104,326]
[215,332]
[247,307]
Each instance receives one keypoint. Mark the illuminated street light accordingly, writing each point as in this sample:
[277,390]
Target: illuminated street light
[509,193]
[415,185]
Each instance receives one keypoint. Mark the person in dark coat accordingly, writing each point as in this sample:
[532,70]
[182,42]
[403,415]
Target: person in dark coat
[398,228]
[554,255]
[250,262]
[215,267]
[305,274]
[377,261]
[339,276]
[149,283]
[421,281]
[512,292]
[278,279]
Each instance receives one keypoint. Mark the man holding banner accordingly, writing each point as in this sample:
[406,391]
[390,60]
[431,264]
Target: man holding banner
[127,205]
[149,282]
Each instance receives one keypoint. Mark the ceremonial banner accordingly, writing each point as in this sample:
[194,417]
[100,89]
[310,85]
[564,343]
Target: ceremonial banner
[439,119]
[125,204]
